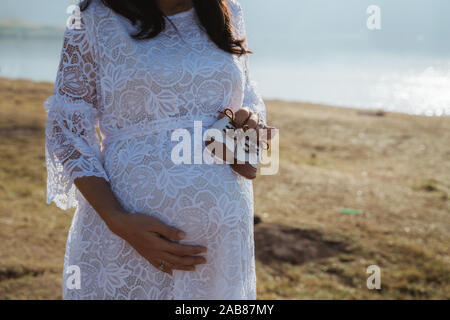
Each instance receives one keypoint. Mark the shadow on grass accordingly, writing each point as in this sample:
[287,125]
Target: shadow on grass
[15,130]
[19,272]
[276,244]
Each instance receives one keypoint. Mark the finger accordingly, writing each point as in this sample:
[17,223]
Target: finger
[169,232]
[185,261]
[184,268]
[241,116]
[180,249]
[252,122]
[169,267]
[166,267]
[157,265]
[160,245]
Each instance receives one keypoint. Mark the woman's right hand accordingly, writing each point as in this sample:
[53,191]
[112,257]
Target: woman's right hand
[150,237]
[155,241]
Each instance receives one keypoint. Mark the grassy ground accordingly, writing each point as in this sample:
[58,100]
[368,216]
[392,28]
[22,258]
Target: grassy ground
[394,168]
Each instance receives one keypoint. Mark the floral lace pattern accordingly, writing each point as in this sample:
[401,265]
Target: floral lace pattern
[135,93]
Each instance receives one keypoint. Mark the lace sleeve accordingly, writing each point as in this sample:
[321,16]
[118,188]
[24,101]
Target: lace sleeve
[252,96]
[72,146]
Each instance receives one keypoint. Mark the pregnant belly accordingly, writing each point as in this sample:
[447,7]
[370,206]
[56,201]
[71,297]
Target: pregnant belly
[200,199]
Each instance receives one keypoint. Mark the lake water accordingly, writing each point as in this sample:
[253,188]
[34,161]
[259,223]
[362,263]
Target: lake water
[311,50]
[414,84]
[34,59]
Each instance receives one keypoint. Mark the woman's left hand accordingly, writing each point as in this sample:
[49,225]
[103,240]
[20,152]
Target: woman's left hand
[246,117]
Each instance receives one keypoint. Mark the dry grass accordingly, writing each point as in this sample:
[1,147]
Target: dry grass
[394,168]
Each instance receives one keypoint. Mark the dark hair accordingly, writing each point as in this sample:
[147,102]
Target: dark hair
[213,15]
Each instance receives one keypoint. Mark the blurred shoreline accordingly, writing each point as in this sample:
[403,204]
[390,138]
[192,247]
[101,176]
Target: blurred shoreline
[412,82]
[322,54]
[361,110]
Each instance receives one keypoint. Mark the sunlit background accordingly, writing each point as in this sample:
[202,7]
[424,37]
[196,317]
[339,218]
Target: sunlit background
[307,50]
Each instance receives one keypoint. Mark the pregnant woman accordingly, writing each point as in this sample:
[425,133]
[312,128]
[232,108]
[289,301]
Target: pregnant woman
[144,227]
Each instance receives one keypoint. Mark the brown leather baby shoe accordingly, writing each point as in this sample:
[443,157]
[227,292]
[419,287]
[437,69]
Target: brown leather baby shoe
[241,147]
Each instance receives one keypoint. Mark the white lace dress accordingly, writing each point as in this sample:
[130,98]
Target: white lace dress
[136,93]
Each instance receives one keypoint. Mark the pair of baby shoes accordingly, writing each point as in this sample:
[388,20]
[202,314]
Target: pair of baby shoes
[239,147]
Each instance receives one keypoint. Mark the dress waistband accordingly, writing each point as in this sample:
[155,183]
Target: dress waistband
[157,126]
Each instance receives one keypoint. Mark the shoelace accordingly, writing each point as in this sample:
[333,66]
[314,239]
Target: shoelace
[229,113]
